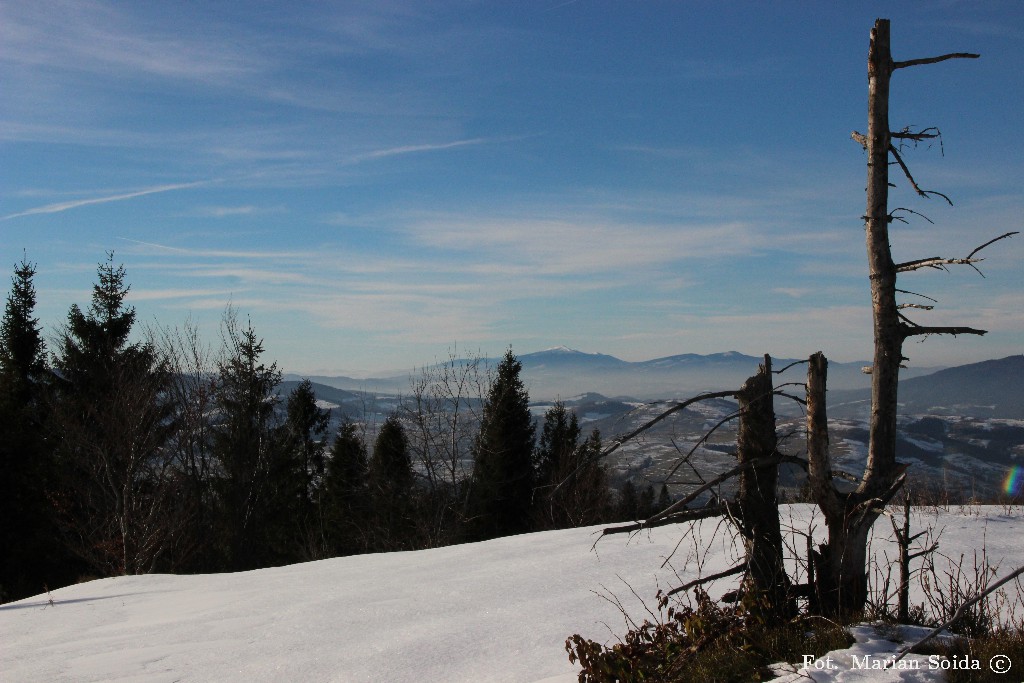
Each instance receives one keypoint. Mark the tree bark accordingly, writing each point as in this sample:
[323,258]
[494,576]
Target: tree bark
[840,565]
[888,336]
[766,587]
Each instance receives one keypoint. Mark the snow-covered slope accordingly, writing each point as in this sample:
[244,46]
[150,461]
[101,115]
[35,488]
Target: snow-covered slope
[494,611]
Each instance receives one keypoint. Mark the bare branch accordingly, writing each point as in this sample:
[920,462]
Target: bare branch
[796,362]
[674,409]
[707,435]
[906,172]
[939,262]
[681,504]
[936,262]
[892,217]
[860,138]
[791,397]
[617,443]
[1003,236]
[865,509]
[675,518]
[738,569]
[934,60]
[920,330]
[905,134]
[906,291]
[960,611]
[926,551]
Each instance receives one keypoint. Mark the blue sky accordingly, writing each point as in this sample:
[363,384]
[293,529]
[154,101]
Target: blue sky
[373,183]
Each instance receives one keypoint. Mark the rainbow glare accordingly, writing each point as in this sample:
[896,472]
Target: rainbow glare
[1014,480]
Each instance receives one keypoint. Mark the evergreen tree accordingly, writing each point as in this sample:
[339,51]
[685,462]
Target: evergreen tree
[343,499]
[664,499]
[295,475]
[305,435]
[559,438]
[110,421]
[22,350]
[30,559]
[95,343]
[391,486]
[502,483]
[572,487]
[629,502]
[245,443]
[646,506]
[589,493]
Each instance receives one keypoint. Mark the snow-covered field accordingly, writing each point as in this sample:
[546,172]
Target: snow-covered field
[494,611]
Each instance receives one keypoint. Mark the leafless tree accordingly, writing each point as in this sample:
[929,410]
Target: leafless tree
[443,411]
[840,564]
[119,503]
[765,586]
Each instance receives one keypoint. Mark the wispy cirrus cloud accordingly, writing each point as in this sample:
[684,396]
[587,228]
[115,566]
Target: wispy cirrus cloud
[77,203]
[206,253]
[415,149]
[100,38]
[566,245]
[228,211]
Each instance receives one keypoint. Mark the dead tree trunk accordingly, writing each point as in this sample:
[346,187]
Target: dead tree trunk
[891,326]
[766,589]
[840,565]
[881,270]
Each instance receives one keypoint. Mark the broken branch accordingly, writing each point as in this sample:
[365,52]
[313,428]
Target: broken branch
[960,612]
[906,172]
[939,262]
[934,60]
[738,569]
[617,443]
[1003,236]
[905,134]
[675,518]
[920,330]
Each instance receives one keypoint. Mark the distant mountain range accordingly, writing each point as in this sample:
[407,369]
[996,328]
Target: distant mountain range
[564,372]
[991,388]
[962,428]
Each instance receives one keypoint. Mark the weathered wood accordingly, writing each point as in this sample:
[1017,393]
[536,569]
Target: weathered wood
[881,270]
[819,464]
[766,585]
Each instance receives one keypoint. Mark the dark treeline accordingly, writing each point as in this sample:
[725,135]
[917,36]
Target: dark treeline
[128,457]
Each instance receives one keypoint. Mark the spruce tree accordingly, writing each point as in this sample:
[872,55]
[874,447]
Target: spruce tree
[30,559]
[629,502]
[22,350]
[306,427]
[646,507]
[588,491]
[502,483]
[110,422]
[559,437]
[295,474]
[344,506]
[664,499]
[391,486]
[245,443]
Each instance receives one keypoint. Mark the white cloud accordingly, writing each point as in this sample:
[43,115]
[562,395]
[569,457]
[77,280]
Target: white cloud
[228,211]
[74,204]
[96,37]
[557,246]
[415,149]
